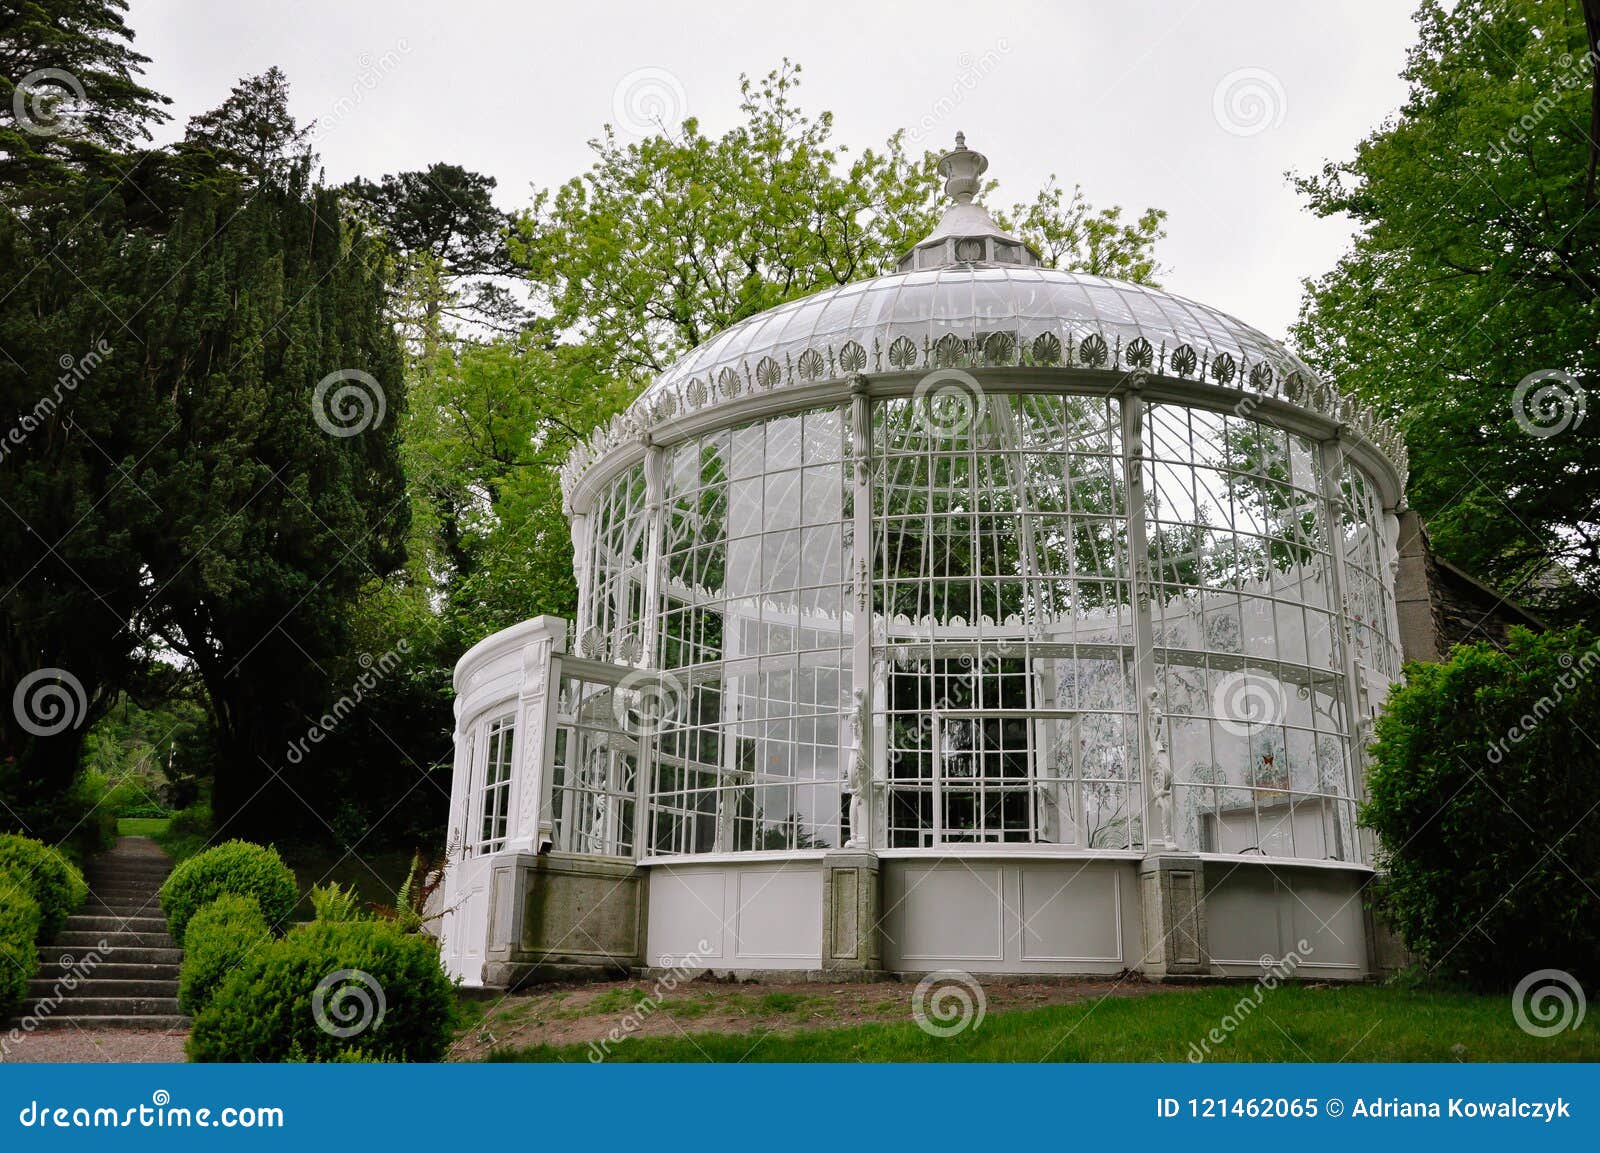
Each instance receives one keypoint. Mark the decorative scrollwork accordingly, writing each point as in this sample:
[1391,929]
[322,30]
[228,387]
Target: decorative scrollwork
[768,373]
[949,351]
[1184,360]
[1000,348]
[1224,368]
[696,392]
[1047,349]
[903,353]
[1139,353]
[728,383]
[810,365]
[852,357]
[1294,386]
[1092,351]
[1261,377]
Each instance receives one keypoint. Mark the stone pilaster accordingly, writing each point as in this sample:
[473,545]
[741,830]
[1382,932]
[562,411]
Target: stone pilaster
[851,930]
[1172,890]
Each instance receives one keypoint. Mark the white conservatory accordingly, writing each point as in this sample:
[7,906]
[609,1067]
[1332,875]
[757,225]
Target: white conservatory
[976,616]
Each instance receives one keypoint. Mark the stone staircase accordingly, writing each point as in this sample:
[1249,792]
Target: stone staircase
[129,982]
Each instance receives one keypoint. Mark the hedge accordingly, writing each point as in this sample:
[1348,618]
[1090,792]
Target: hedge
[236,867]
[53,881]
[219,938]
[1483,771]
[331,990]
[20,919]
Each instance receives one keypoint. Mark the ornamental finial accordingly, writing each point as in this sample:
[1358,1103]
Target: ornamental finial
[961,170]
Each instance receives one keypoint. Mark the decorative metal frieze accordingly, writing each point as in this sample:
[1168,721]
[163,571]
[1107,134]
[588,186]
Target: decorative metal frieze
[999,347]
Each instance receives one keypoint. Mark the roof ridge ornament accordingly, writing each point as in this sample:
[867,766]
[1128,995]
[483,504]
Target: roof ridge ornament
[966,234]
[961,169]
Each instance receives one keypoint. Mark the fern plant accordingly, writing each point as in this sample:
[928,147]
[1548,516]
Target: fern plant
[331,903]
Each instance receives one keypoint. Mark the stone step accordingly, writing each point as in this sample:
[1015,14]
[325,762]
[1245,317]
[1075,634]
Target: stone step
[97,922]
[126,880]
[102,987]
[113,939]
[119,1007]
[110,1021]
[53,971]
[94,908]
[144,883]
[123,954]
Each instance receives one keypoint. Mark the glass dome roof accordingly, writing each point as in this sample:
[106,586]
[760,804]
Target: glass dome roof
[972,296]
[1007,314]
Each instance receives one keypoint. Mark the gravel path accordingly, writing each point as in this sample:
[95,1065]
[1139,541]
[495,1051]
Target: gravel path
[58,1046]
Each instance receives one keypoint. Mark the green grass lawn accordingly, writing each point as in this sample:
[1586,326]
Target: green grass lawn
[1291,1023]
[142,826]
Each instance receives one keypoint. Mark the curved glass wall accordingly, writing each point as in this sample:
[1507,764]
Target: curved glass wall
[1013,588]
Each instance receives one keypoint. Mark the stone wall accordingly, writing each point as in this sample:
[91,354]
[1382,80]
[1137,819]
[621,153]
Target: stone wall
[1440,606]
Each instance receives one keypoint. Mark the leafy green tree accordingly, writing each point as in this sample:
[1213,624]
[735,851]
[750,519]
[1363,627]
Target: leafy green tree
[1069,233]
[1473,268]
[450,242]
[666,241]
[252,131]
[81,101]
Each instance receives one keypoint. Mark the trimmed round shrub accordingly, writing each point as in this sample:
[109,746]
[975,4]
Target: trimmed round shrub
[1479,785]
[20,918]
[218,940]
[236,867]
[328,990]
[53,881]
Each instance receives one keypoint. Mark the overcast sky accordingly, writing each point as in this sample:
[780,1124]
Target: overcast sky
[1196,106]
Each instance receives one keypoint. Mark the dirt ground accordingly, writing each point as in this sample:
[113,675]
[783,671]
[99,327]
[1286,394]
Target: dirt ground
[575,1014]
[129,1046]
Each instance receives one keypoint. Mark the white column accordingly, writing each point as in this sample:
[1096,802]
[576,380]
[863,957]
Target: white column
[1144,658]
[535,736]
[872,769]
[578,525]
[654,512]
[1333,492]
